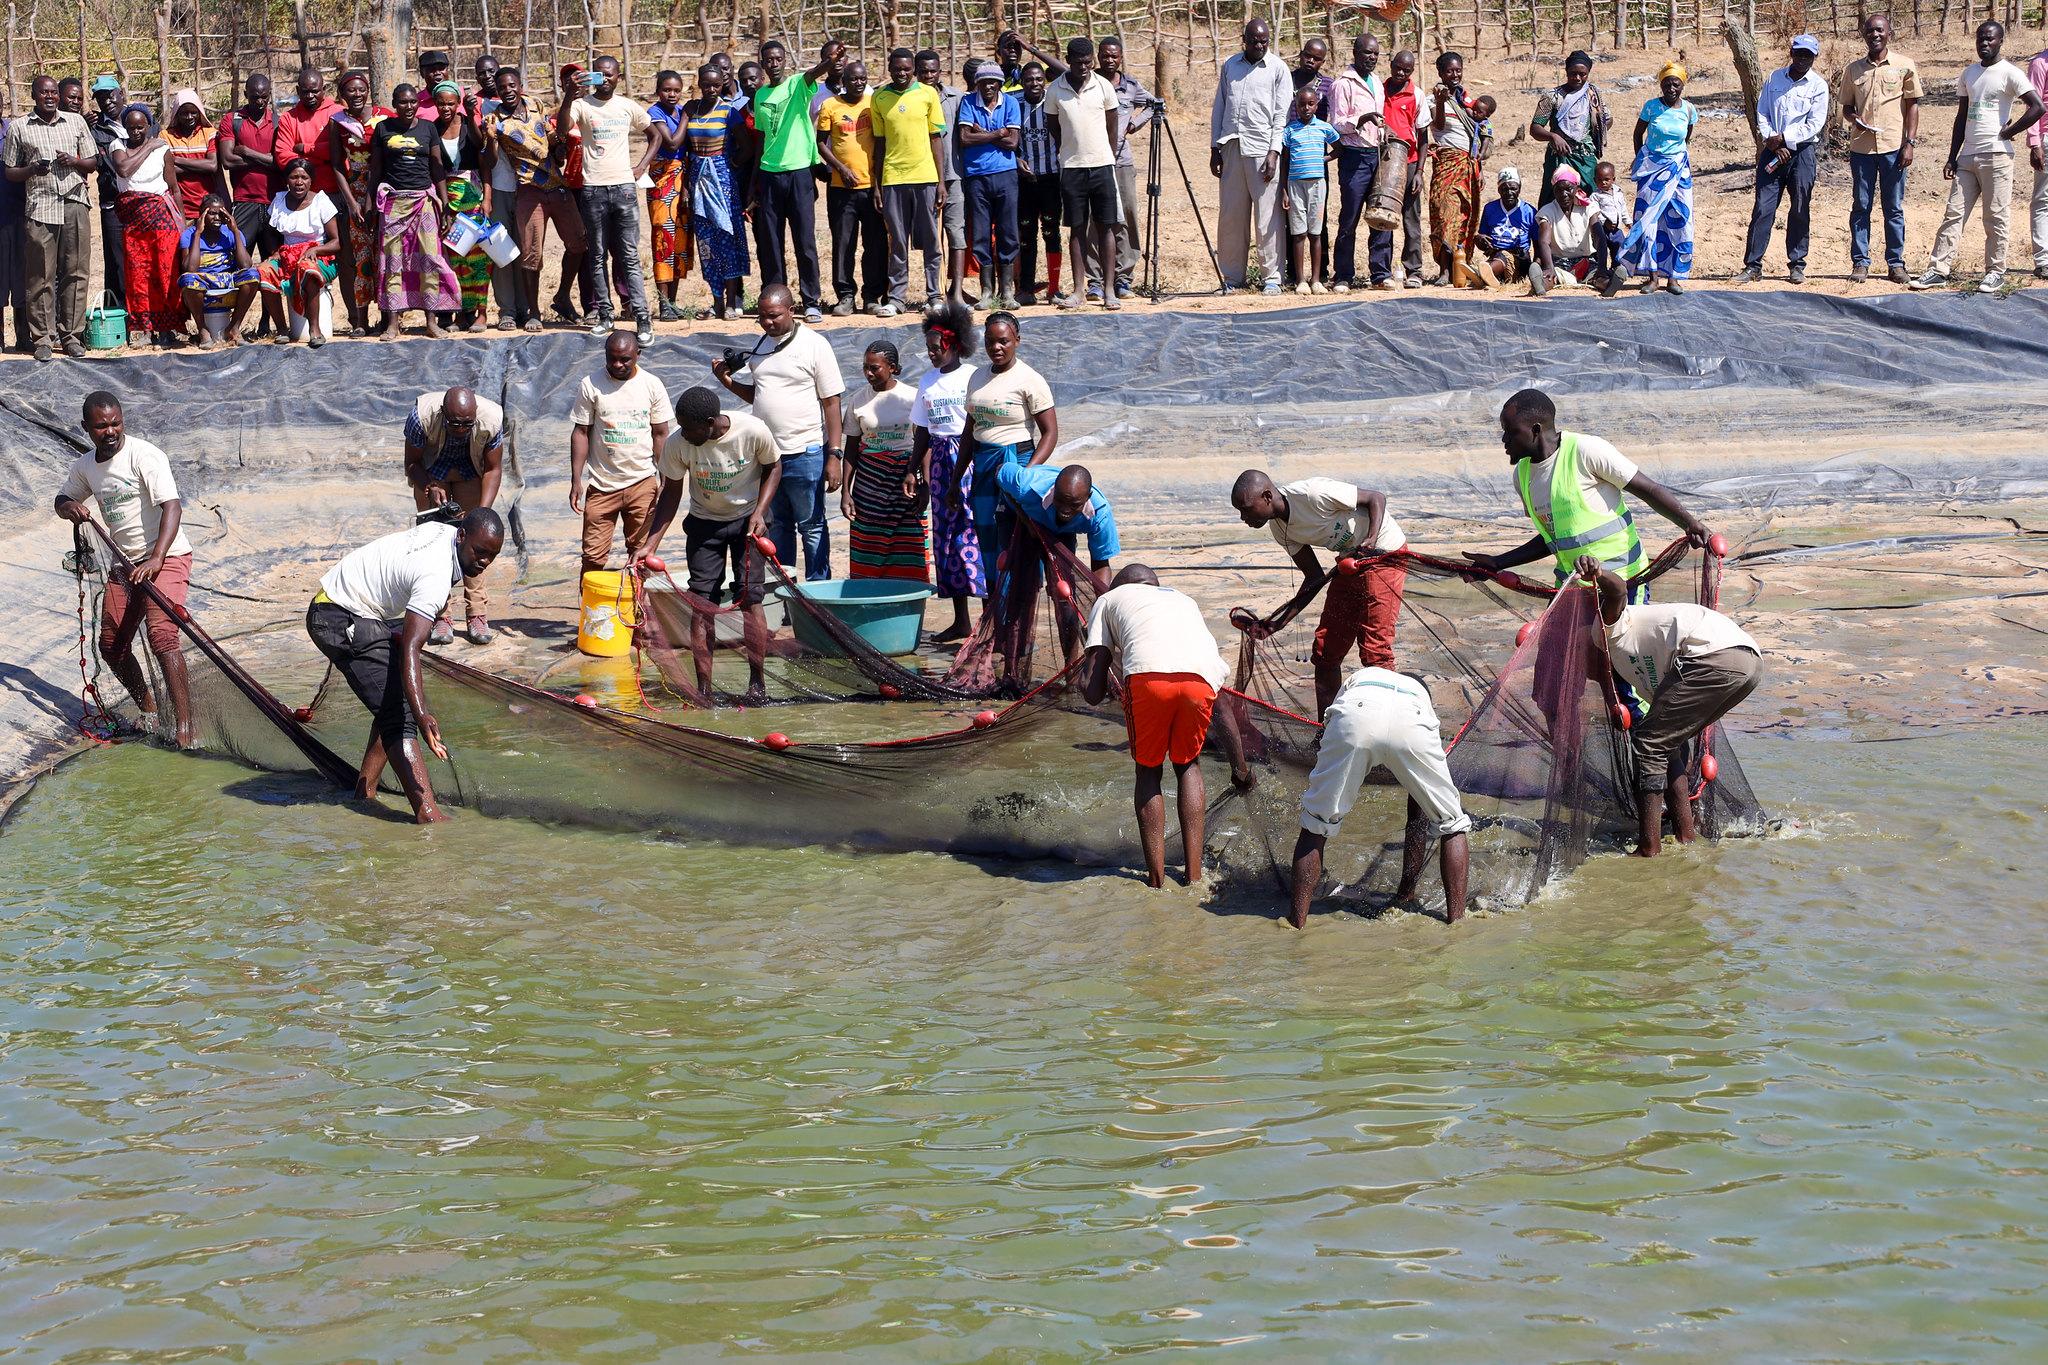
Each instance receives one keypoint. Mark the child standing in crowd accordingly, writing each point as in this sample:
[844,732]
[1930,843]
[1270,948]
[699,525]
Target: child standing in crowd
[1612,214]
[1310,143]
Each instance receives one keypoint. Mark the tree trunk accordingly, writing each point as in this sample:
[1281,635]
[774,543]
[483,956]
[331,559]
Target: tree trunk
[1742,47]
[387,43]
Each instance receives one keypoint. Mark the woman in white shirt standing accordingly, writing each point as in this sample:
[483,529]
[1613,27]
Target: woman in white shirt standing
[881,500]
[305,221]
[938,418]
[146,202]
[1695,665]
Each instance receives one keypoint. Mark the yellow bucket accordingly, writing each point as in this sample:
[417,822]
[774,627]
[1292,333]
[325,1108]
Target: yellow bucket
[605,628]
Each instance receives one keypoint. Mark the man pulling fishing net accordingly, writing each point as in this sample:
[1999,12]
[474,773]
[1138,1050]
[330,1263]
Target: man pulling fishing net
[405,577]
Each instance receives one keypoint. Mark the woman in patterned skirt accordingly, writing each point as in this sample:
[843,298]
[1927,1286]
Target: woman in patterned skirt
[938,417]
[883,505]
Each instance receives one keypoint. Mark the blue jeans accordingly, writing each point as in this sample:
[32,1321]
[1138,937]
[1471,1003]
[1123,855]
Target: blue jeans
[611,222]
[1795,179]
[1356,167]
[1872,172]
[799,512]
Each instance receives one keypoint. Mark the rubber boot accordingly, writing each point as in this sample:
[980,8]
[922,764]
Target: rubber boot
[1006,285]
[1052,273]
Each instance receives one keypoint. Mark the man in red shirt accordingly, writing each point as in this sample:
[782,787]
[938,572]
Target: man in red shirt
[1400,111]
[302,131]
[242,150]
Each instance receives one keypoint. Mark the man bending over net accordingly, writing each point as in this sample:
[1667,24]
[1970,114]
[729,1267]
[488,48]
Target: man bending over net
[1064,505]
[731,467]
[1696,666]
[1381,718]
[1172,671]
[409,575]
[1364,604]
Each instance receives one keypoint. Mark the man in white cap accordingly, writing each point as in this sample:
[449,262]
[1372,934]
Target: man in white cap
[1791,115]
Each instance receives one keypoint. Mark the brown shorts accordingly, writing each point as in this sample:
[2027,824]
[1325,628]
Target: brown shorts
[533,210]
[633,505]
[124,610]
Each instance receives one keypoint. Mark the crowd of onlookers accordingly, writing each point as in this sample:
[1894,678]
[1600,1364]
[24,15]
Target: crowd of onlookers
[341,214]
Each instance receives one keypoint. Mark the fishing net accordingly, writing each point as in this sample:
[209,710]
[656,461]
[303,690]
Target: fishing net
[903,752]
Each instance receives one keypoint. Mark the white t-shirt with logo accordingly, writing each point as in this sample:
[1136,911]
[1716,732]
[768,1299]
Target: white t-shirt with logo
[725,474]
[608,130]
[941,405]
[1991,91]
[1149,629]
[406,571]
[625,413]
[1323,514]
[1646,642]
[791,384]
[1002,405]
[131,490]
[883,420]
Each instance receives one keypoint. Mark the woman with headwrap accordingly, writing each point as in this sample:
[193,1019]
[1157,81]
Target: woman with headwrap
[1572,123]
[406,171]
[1660,244]
[146,203]
[192,148]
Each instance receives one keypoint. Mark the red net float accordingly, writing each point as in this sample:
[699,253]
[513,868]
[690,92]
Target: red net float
[1350,568]
[1622,719]
[1717,545]
[1710,767]
[776,740]
[890,692]
[1063,590]
[585,699]
[1522,635]
[655,564]
[302,714]
[984,719]
[1508,578]
[765,546]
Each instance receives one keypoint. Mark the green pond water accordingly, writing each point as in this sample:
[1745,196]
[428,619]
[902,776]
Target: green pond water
[283,1081]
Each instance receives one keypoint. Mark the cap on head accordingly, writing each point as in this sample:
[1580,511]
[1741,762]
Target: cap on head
[1806,42]
[102,84]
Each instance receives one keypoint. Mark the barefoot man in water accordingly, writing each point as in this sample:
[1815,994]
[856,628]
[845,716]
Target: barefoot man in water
[1695,666]
[406,575]
[1172,672]
[1364,604]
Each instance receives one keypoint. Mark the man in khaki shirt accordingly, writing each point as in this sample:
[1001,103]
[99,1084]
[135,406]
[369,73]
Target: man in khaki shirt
[1879,96]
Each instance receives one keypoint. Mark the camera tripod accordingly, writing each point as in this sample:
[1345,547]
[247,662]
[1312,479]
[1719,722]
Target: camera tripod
[1152,286]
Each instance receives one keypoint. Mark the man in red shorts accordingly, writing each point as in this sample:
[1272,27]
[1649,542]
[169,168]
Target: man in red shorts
[1172,671]
[131,481]
[1364,604]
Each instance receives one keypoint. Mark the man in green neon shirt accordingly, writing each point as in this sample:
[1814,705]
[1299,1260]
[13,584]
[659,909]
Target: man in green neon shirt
[785,191]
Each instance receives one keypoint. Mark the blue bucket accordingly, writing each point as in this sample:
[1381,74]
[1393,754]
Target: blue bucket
[887,613]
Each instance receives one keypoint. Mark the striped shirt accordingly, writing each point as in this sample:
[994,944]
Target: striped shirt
[1037,151]
[29,140]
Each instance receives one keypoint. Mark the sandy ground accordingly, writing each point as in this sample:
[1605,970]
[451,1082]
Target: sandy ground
[1723,168]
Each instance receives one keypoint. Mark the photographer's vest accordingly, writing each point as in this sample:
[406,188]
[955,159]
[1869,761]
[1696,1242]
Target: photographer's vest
[1572,523]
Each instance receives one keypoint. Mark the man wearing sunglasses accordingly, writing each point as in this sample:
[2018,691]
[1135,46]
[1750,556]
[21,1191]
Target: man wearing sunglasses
[455,452]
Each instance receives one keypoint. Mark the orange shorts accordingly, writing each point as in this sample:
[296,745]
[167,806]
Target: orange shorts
[1167,715]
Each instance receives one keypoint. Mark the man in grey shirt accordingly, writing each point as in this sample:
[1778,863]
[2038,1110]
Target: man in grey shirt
[1247,124]
[1135,106]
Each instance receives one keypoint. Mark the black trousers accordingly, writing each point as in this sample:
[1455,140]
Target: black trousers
[788,207]
[114,255]
[1038,212]
[858,235]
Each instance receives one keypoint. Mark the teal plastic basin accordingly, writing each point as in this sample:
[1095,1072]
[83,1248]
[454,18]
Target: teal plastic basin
[886,613]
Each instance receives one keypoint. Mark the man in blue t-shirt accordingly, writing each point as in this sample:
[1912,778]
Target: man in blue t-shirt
[1505,229]
[989,129]
[1064,506]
